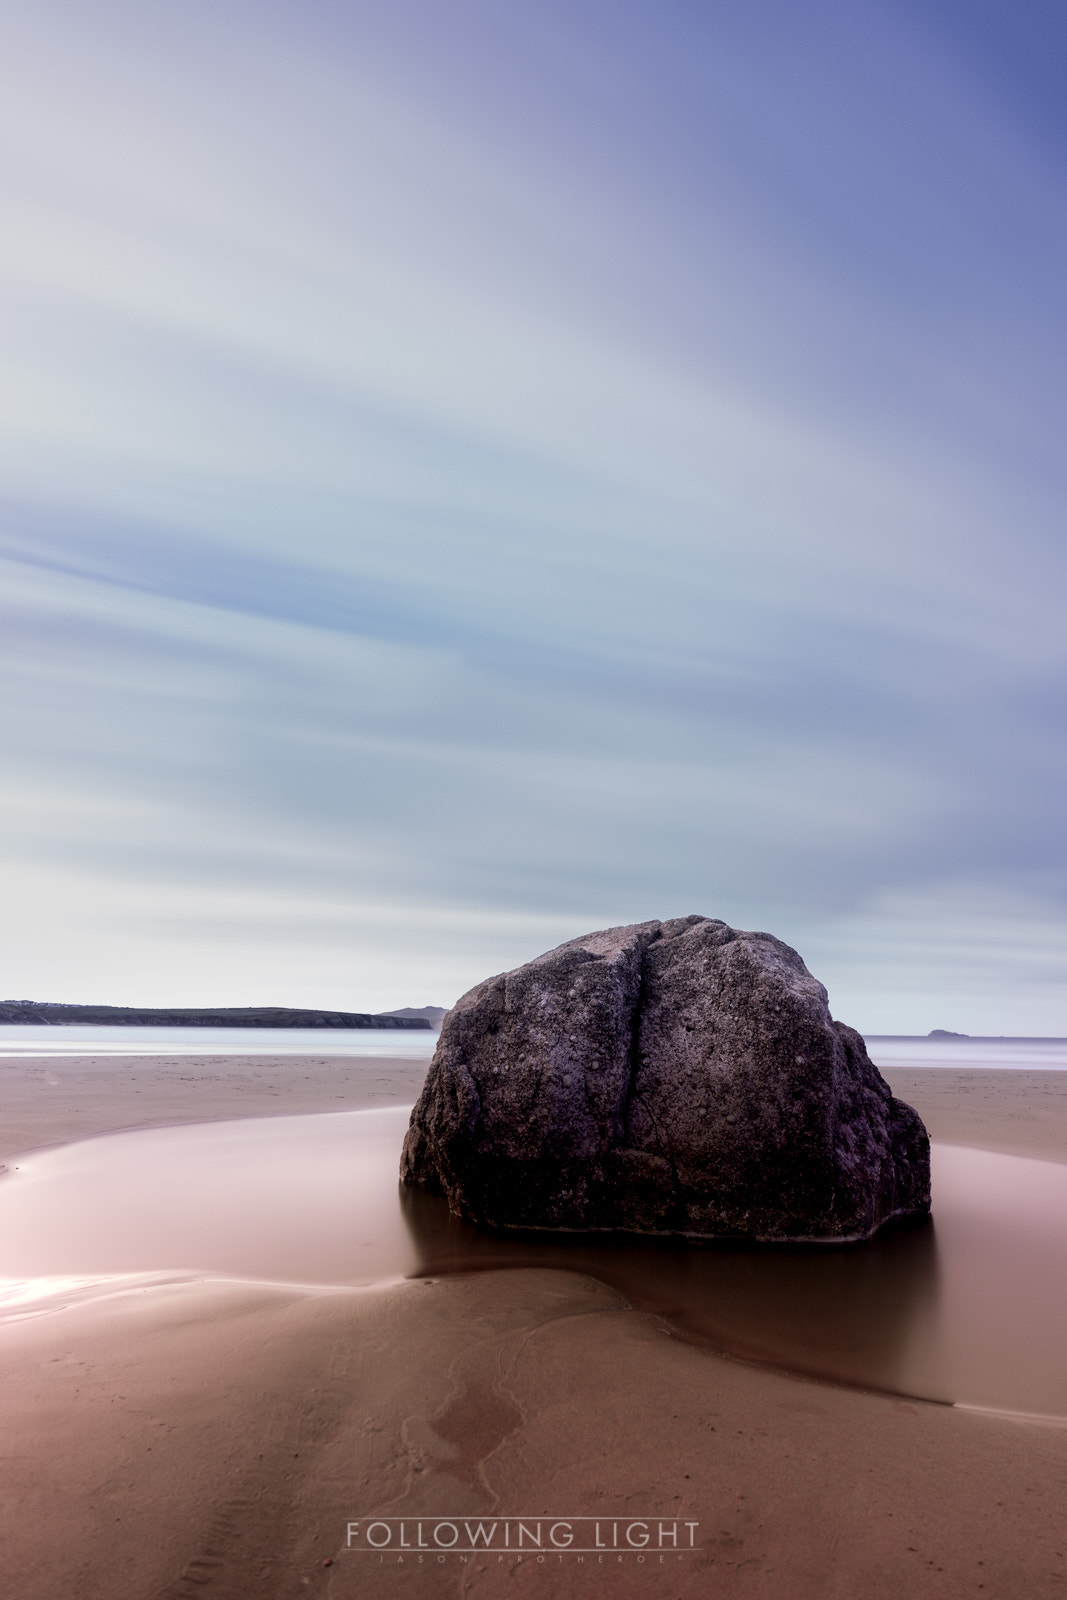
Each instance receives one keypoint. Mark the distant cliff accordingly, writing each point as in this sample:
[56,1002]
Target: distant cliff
[434,1015]
[35,1011]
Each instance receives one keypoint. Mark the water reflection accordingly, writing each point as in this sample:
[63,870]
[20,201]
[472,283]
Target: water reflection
[970,1308]
[863,1314]
[307,1200]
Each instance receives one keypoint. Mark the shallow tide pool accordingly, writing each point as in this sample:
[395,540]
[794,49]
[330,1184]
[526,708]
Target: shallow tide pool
[971,1309]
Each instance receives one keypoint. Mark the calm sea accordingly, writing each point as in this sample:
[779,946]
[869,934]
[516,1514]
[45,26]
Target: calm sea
[1026,1054]
[18,1040]
[74,1040]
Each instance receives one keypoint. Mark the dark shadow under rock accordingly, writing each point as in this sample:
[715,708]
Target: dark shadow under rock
[673,1077]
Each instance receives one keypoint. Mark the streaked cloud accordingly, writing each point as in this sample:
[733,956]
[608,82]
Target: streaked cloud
[517,471]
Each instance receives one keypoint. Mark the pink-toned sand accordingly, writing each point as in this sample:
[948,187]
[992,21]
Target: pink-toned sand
[216,1439]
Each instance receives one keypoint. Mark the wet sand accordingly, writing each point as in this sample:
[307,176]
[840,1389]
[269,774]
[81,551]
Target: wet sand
[216,1438]
[972,1310]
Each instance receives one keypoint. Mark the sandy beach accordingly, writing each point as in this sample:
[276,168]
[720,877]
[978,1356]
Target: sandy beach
[219,1438]
[50,1100]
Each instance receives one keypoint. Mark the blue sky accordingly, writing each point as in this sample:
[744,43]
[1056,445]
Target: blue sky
[471,474]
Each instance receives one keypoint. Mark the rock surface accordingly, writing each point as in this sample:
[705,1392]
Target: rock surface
[668,1077]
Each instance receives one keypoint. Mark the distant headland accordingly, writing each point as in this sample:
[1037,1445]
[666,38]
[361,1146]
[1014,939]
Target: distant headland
[55,1014]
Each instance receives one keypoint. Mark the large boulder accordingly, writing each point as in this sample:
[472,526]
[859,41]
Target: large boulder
[673,1077]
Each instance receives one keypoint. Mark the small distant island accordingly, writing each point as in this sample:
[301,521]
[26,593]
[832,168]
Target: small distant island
[946,1033]
[425,1018]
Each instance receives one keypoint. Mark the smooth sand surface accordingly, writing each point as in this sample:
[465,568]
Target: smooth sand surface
[216,1439]
[49,1100]
[1022,1113]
